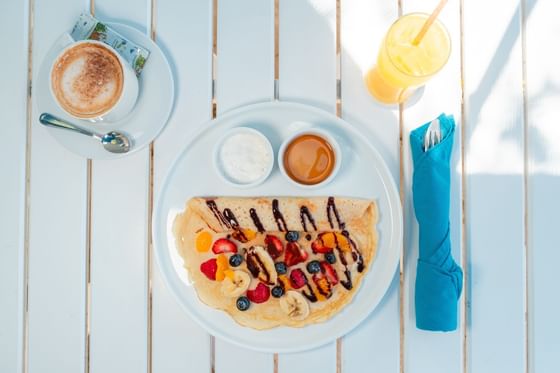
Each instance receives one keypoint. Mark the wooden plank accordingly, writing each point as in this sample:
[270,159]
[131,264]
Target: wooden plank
[362,27]
[245,62]
[307,74]
[13,105]
[118,327]
[543,88]
[244,74]
[178,343]
[428,351]
[494,205]
[57,230]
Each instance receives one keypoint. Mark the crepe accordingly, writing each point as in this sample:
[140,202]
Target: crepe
[325,226]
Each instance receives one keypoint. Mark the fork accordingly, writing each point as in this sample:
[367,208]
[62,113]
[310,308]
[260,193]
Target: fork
[433,135]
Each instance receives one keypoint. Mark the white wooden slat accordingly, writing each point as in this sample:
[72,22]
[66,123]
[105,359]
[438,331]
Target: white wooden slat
[363,25]
[245,62]
[244,74]
[184,32]
[57,224]
[543,87]
[428,351]
[494,195]
[307,74]
[13,105]
[307,52]
[118,310]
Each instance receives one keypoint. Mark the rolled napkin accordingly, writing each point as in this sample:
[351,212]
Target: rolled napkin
[439,279]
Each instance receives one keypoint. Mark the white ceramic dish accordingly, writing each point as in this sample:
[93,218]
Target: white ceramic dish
[142,124]
[362,174]
[311,131]
[218,166]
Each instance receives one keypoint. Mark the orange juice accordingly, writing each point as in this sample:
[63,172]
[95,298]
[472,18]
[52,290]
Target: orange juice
[402,66]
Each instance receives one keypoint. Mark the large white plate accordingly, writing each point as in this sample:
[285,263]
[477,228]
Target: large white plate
[362,174]
[142,125]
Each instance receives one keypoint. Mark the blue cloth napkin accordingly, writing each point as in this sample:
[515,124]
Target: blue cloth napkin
[439,279]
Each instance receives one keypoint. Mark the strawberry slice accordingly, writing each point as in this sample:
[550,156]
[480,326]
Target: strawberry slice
[260,294]
[209,268]
[223,245]
[273,246]
[297,278]
[294,254]
[323,285]
[329,272]
[318,247]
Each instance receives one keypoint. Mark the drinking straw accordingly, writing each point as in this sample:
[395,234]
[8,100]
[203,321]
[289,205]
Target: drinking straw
[429,22]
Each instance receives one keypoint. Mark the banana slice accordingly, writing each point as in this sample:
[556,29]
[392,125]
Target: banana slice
[294,305]
[261,265]
[235,284]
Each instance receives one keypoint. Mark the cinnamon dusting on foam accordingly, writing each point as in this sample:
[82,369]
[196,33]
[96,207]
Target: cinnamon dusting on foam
[87,80]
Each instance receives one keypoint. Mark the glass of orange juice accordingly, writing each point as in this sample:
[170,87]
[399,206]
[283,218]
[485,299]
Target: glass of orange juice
[402,66]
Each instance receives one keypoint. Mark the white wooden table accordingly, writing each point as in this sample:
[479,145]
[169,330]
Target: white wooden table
[79,288]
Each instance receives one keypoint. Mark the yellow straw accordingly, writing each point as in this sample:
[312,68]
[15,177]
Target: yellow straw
[429,22]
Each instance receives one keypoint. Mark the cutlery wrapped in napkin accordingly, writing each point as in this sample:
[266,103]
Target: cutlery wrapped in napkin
[439,279]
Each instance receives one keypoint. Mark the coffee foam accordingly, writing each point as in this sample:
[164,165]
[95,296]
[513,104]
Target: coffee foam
[87,80]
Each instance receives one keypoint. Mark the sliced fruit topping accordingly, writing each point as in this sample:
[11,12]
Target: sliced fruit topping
[235,283]
[318,247]
[335,239]
[274,246]
[323,285]
[209,268]
[284,281]
[297,278]
[243,303]
[244,235]
[294,305]
[261,265]
[277,291]
[294,254]
[249,233]
[329,272]
[292,236]
[222,266]
[330,258]
[203,241]
[223,245]
[235,260]
[281,268]
[313,266]
[260,294]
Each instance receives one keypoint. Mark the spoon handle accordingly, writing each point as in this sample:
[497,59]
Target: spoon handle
[52,121]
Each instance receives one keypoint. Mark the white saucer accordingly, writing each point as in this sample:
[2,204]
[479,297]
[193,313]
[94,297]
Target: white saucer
[142,125]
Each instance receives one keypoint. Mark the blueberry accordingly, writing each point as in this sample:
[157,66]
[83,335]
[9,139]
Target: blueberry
[330,258]
[313,266]
[281,268]
[235,260]
[243,303]
[277,291]
[292,236]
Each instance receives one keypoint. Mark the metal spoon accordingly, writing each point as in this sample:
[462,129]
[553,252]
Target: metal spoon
[112,141]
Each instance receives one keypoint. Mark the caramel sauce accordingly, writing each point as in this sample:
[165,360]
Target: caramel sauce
[309,159]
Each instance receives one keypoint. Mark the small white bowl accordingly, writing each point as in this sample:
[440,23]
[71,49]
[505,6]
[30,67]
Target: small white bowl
[311,131]
[218,164]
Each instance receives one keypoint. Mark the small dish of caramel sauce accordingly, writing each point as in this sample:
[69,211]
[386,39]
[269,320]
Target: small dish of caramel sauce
[309,158]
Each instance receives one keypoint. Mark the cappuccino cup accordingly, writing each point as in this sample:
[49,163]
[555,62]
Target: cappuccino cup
[89,80]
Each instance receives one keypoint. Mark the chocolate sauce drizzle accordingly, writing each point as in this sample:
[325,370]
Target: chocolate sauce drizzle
[282,227]
[304,213]
[217,214]
[254,264]
[256,220]
[331,208]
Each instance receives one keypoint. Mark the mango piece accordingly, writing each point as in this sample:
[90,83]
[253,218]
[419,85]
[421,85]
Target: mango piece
[203,242]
